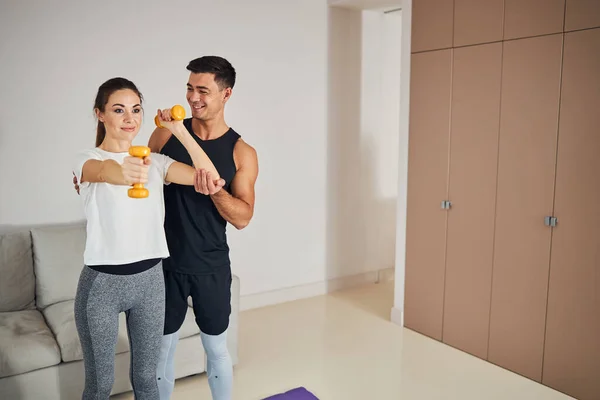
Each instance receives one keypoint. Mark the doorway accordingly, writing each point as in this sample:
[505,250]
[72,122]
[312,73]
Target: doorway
[365,65]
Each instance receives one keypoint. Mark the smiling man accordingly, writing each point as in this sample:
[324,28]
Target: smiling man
[195,223]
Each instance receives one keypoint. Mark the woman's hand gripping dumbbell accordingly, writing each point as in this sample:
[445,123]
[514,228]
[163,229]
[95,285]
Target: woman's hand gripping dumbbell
[135,171]
[135,168]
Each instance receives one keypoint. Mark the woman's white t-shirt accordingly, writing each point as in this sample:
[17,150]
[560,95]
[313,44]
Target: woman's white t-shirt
[121,229]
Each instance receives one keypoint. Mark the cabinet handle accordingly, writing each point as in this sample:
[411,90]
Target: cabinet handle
[550,221]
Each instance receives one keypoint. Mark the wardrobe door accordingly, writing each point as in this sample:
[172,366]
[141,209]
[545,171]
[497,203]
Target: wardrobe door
[572,353]
[582,14]
[527,18]
[432,24]
[472,192]
[429,130]
[527,158]
[478,21]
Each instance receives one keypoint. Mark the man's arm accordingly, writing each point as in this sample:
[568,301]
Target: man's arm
[158,139]
[238,207]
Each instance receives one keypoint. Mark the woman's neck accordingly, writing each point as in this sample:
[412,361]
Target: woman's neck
[115,146]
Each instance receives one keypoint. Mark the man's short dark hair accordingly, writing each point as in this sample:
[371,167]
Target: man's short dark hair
[220,67]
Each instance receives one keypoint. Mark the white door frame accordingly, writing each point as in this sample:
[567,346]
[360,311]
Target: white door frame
[397,313]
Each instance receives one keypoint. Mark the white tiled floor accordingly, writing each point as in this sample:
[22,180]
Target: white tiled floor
[343,347]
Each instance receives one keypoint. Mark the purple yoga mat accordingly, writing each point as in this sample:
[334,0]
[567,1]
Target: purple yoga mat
[294,394]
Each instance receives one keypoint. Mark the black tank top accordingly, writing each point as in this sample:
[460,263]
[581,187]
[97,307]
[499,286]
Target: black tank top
[196,232]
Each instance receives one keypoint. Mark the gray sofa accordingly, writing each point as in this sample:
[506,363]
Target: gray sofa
[40,353]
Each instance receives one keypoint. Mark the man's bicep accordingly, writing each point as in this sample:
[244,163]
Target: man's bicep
[244,181]
[242,187]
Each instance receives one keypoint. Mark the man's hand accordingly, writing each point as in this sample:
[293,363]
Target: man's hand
[205,184]
[75,183]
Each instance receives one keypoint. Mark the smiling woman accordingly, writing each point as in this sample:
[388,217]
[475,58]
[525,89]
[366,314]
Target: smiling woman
[130,94]
[125,242]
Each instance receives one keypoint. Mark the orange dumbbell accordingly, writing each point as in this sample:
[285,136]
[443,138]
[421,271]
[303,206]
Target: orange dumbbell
[138,191]
[177,113]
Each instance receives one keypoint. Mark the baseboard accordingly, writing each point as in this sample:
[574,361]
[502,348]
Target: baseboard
[397,316]
[257,300]
[387,274]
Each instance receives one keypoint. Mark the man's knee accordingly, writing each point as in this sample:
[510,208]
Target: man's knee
[165,367]
[215,346]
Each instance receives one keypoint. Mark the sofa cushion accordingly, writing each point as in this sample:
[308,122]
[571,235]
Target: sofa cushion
[26,343]
[58,260]
[17,286]
[61,319]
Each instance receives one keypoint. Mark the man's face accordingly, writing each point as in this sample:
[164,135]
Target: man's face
[204,96]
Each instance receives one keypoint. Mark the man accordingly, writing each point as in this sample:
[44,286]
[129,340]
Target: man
[195,223]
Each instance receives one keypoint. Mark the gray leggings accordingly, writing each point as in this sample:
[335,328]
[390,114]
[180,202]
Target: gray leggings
[99,300]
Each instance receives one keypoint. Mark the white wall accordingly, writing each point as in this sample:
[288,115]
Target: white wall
[56,53]
[345,234]
[380,105]
[380,129]
[364,92]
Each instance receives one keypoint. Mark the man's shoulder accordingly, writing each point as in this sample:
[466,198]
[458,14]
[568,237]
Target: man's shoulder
[243,148]
[244,154]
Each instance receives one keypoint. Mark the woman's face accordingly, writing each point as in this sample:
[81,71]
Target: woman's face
[122,115]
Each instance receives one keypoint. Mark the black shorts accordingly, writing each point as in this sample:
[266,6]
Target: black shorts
[211,299]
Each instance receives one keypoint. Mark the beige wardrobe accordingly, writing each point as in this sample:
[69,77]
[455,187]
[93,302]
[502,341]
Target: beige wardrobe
[503,226]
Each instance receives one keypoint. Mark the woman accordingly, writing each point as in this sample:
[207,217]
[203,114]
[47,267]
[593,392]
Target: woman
[125,241]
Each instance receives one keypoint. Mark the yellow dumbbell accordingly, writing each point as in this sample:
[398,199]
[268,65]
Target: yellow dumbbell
[177,113]
[138,191]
